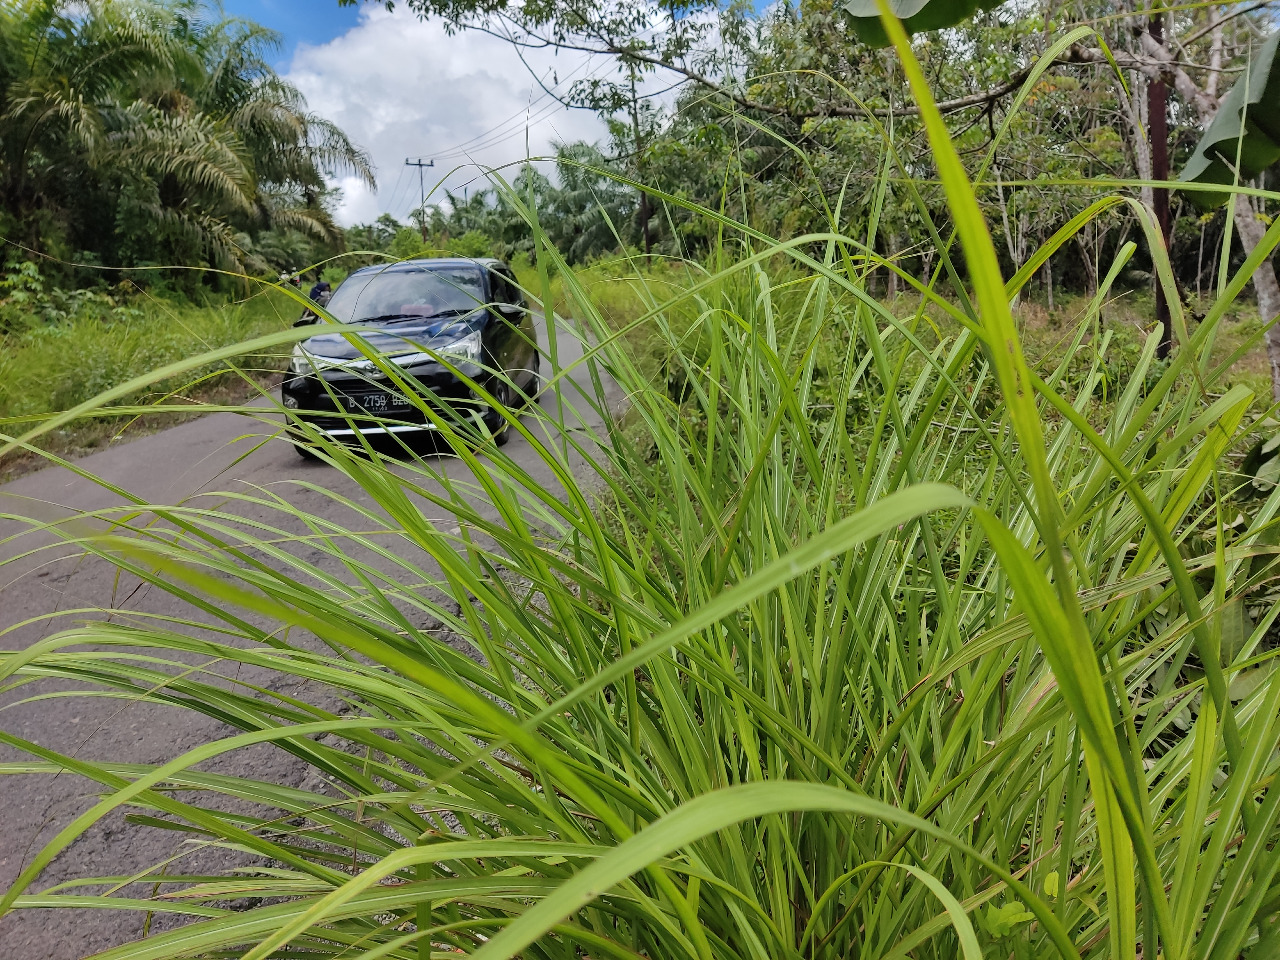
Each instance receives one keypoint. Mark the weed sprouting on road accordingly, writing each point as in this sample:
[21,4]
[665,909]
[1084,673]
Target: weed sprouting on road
[841,639]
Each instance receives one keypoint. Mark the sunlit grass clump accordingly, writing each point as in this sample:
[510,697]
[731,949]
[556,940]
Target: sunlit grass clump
[840,642]
[48,366]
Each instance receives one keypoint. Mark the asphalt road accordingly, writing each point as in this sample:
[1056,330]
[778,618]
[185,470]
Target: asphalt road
[218,452]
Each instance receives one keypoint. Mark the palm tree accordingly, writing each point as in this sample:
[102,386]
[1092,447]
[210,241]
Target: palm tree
[63,79]
[590,209]
[584,216]
[139,131]
[291,151]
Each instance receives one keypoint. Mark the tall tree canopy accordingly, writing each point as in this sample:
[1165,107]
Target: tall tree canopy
[138,132]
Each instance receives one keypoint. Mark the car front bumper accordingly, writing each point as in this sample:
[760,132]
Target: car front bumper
[338,403]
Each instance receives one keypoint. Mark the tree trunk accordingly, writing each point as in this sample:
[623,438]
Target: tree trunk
[645,216]
[1134,108]
[644,213]
[1089,241]
[1008,234]
[1200,264]
[1215,55]
[1265,285]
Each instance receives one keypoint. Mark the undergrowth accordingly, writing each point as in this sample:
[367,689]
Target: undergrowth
[58,354]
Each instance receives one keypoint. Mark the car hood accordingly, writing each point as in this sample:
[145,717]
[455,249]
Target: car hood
[391,339]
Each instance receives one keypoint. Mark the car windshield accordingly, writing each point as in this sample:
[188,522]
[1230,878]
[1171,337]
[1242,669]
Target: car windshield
[408,293]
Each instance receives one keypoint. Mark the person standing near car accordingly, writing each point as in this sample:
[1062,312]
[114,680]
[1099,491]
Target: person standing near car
[320,292]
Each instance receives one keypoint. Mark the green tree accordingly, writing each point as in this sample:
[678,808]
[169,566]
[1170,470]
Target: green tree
[139,132]
[290,149]
[589,209]
[407,244]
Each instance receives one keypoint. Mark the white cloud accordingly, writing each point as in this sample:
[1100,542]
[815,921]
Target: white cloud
[403,88]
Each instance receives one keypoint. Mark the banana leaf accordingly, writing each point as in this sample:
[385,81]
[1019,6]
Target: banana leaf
[916,15]
[1248,120]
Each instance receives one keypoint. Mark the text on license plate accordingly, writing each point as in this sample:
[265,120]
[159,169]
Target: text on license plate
[376,403]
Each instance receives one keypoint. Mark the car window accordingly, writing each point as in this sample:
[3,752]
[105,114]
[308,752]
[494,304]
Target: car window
[517,295]
[412,292]
[503,290]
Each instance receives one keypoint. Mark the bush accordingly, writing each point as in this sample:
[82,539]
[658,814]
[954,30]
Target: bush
[67,348]
[27,300]
[334,275]
[407,244]
[473,243]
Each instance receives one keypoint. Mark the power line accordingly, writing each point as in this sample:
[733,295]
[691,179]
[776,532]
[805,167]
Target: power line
[395,191]
[455,148]
[501,138]
[496,134]
[467,145]
[492,137]
[399,196]
[528,123]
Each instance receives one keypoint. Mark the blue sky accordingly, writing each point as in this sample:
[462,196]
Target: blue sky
[300,21]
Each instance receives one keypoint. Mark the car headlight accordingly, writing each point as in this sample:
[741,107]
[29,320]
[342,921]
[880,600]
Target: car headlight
[299,364]
[468,349]
[304,362]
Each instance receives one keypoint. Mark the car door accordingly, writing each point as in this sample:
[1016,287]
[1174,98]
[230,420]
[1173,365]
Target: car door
[511,352]
[527,335]
[501,335]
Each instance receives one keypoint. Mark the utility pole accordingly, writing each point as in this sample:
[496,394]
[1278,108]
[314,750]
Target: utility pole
[1158,130]
[422,191]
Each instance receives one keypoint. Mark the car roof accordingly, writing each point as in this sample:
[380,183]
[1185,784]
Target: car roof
[433,263]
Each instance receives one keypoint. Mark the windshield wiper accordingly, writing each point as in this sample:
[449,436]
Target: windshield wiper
[389,317]
[451,312]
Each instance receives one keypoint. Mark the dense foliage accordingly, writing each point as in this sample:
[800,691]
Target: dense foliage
[142,134]
[585,209]
[782,118]
[135,134]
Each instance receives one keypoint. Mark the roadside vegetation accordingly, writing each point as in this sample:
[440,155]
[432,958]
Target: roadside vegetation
[59,350]
[144,134]
[787,675]
[145,150]
[879,609]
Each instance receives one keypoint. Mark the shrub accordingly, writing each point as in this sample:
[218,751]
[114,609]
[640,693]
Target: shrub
[407,244]
[473,243]
[95,344]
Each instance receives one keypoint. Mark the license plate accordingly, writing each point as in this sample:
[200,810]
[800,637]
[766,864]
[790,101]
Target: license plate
[376,403]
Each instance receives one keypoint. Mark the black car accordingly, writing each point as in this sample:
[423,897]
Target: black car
[470,312]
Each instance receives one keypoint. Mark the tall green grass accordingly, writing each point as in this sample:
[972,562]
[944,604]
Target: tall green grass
[842,642]
[50,367]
